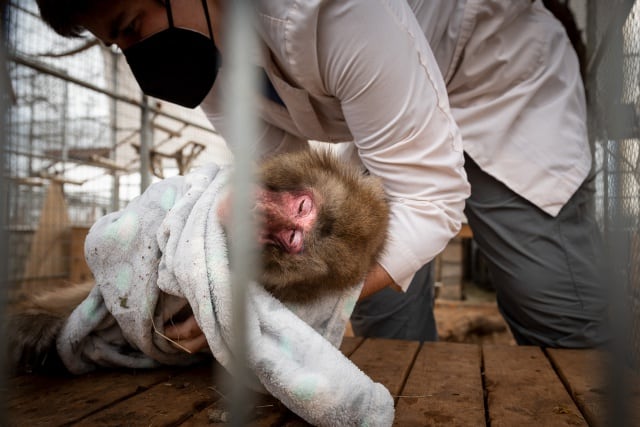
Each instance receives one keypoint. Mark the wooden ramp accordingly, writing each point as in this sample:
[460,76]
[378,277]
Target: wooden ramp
[434,384]
[48,257]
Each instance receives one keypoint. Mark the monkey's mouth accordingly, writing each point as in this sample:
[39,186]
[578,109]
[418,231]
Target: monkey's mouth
[279,244]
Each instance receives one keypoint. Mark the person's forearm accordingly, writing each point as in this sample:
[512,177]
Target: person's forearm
[376,280]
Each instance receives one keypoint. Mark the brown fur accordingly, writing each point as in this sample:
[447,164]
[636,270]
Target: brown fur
[34,323]
[347,238]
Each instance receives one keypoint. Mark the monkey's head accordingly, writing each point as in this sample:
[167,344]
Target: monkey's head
[348,230]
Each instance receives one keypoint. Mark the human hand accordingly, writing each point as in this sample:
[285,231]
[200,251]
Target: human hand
[186,335]
[376,280]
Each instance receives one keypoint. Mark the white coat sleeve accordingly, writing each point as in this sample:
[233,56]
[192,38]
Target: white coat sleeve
[374,58]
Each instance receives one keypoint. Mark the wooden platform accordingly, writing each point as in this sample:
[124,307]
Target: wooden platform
[435,384]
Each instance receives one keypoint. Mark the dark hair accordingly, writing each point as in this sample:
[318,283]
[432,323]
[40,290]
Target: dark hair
[63,15]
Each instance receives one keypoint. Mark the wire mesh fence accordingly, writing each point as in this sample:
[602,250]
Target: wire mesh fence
[75,127]
[613,84]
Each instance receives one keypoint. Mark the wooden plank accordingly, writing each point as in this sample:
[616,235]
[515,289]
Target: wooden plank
[270,412]
[443,388]
[386,361]
[350,344]
[584,375]
[523,389]
[267,412]
[167,403]
[53,401]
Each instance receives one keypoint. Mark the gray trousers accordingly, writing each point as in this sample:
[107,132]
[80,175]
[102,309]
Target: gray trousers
[399,315]
[548,272]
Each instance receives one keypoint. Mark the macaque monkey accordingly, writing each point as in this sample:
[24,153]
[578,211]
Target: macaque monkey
[321,223]
[326,224]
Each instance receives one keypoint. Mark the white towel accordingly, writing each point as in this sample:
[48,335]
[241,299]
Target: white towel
[165,250]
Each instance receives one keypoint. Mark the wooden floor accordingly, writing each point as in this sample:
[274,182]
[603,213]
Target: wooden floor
[435,384]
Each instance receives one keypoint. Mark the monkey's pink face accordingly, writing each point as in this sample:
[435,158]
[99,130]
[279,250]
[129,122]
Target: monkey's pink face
[285,218]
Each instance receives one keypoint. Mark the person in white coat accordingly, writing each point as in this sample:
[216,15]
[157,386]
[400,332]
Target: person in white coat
[411,84]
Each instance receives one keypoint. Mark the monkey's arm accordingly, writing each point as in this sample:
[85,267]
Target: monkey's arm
[187,335]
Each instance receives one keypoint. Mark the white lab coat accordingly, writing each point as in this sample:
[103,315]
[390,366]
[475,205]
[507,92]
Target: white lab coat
[363,71]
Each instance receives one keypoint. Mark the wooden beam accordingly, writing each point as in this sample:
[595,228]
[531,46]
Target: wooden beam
[167,130]
[28,180]
[184,158]
[60,179]
[106,163]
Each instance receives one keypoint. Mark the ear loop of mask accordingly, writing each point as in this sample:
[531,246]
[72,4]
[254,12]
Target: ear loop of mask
[169,13]
[206,14]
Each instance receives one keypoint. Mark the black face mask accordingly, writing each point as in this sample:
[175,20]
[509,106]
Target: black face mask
[177,65]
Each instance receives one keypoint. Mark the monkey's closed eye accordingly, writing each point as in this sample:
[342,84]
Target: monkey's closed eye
[305,206]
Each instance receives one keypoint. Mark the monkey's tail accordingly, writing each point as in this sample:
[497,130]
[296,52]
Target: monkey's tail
[33,325]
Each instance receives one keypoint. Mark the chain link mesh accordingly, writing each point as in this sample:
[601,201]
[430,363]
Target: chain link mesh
[75,122]
[614,104]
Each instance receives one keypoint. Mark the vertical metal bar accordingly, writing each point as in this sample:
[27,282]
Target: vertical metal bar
[115,188]
[64,131]
[607,80]
[145,144]
[32,113]
[30,202]
[242,80]
[4,283]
